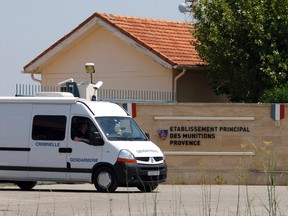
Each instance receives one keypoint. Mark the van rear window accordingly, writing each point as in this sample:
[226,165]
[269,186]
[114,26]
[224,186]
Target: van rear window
[47,127]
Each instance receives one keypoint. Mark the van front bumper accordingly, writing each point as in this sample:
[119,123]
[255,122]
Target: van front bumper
[133,175]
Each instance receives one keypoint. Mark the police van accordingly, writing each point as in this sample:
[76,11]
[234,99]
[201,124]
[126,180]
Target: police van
[62,138]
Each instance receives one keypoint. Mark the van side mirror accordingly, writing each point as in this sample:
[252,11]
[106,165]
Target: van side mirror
[96,139]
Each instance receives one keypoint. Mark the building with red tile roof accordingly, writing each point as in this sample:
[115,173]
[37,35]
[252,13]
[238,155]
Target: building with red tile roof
[129,53]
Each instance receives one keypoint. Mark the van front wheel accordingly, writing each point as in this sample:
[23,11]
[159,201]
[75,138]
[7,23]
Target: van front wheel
[104,180]
[26,185]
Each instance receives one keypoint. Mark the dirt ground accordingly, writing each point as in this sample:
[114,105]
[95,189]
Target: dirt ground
[83,199]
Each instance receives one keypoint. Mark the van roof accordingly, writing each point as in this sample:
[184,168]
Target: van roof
[98,108]
[39,100]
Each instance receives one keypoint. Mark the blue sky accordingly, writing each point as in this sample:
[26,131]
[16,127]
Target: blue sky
[28,27]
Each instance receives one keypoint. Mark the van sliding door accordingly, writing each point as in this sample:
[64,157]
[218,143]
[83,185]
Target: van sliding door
[48,139]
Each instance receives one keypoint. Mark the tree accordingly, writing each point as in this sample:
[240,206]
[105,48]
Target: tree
[245,45]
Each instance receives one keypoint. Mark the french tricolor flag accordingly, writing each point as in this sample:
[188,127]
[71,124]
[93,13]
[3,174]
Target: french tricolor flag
[277,111]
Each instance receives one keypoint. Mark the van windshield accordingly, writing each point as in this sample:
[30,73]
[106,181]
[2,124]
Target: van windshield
[120,128]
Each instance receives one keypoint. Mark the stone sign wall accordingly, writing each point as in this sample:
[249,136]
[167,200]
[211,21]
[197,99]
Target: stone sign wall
[219,143]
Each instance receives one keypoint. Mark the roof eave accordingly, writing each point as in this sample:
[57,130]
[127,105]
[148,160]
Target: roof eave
[190,66]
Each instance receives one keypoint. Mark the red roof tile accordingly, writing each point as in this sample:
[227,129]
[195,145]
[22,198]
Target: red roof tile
[168,39]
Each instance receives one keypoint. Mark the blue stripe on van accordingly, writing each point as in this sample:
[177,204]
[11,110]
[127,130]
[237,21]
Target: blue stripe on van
[14,149]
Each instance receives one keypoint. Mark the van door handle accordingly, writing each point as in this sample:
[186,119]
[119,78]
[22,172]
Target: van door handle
[65,150]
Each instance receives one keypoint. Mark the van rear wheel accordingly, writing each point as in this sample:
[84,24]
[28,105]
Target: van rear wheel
[104,180]
[26,185]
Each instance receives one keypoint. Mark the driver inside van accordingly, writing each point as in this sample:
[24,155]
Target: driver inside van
[81,135]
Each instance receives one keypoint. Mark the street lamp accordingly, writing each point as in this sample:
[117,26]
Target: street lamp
[90,68]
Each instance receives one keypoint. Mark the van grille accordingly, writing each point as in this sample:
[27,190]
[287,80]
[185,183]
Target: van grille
[146,159]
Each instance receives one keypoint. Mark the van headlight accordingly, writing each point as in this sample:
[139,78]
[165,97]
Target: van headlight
[125,156]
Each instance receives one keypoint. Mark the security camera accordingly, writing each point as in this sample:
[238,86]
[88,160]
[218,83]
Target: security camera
[98,85]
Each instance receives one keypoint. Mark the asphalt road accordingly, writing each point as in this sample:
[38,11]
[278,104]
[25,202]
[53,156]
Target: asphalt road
[83,199]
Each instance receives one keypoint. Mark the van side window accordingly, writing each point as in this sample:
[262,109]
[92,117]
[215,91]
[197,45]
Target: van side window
[47,127]
[82,129]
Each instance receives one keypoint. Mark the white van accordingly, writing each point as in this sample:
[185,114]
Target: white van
[41,140]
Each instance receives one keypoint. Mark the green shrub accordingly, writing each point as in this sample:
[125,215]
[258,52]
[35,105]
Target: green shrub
[275,95]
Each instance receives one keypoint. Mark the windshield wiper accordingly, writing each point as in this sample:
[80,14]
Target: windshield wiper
[115,138]
[127,138]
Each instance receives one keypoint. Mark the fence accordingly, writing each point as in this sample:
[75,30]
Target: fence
[103,94]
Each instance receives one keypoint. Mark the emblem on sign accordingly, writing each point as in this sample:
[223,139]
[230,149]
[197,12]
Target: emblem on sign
[163,134]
